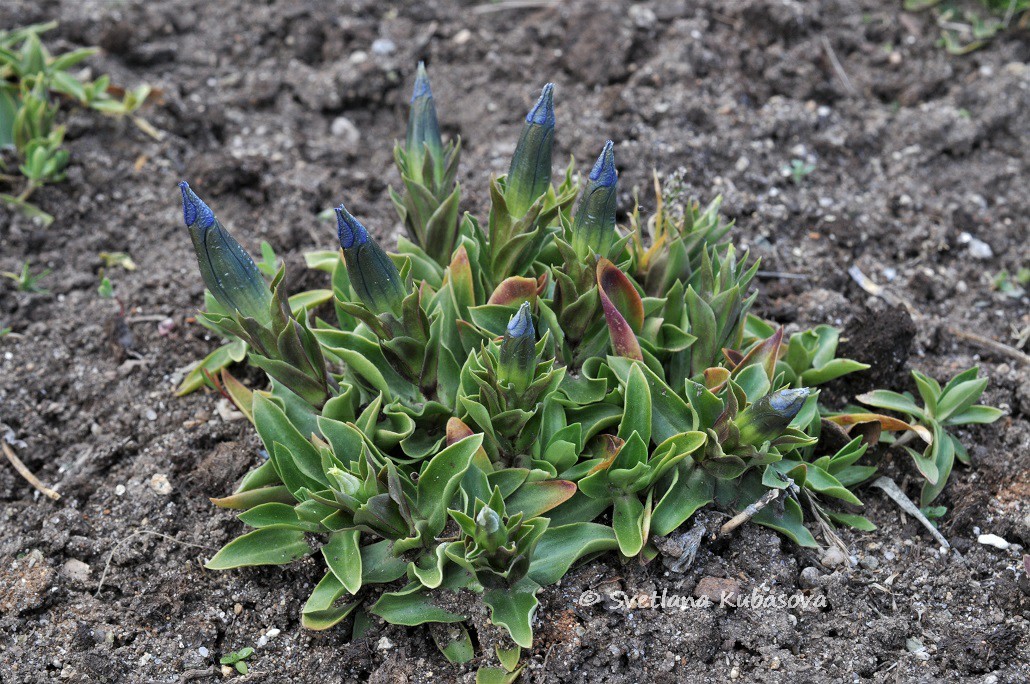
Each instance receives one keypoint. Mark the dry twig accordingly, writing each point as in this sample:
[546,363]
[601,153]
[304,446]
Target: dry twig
[27,474]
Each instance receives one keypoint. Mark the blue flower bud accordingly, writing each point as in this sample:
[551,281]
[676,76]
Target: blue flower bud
[767,418]
[228,270]
[372,273]
[517,363]
[529,175]
[423,128]
[593,227]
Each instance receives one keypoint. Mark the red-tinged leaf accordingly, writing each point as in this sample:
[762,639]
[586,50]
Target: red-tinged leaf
[515,290]
[765,353]
[733,357]
[536,498]
[715,378]
[239,393]
[457,430]
[460,274]
[541,282]
[889,423]
[611,281]
[621,293]
[612,446]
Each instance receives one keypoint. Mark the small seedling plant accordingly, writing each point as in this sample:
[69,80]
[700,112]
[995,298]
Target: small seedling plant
[33,84]
[505,397]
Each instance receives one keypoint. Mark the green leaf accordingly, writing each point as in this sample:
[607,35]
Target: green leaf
[439,479]
[320,611]
[223,357]
[975,414]
[628,523]
[277,514]
[559,547]
[274,545]
[960,397]
[513,609]
[412,606]
[891,401]
[636,415]
[343,556]
[454,642]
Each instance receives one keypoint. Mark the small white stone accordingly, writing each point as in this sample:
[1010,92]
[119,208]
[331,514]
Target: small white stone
[76,570]
[833,557]
[461,37]
[203,651]
[383,46]
[978,249]
[119,490]
[344,130]
[160,484]
[384,644]
[993,540]
[273,633]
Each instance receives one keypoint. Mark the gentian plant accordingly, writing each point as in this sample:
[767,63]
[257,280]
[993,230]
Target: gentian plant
[494,403]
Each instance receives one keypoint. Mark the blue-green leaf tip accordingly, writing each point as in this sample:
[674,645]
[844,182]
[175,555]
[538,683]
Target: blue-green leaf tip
[422,88]
[194,211]
[542,112]
[349,229]
[604,173]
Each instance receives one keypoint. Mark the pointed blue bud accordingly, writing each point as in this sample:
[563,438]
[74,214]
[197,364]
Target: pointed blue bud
[542,112]
[767,418]
[229,272]
[193,208]
[518,358]
[372,273]
[529,175]
[423,127]
[593,227]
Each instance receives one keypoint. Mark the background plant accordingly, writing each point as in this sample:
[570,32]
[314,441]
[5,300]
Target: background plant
[500,400]
[33,83]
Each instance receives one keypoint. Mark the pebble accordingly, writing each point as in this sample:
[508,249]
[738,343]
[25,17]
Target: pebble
[775,664]
[346,133]
[979,249]
[833,557]
[203,651]
[383,47]
[151,415]
[811,577]
[869,562]
[238,608]
[734,673]
[160,484]
[384,644]
[717,588]
[119,490]
[76,570]
[461,37]
[993,540]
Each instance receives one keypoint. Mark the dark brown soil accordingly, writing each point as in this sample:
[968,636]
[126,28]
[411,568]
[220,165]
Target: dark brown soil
[914,153]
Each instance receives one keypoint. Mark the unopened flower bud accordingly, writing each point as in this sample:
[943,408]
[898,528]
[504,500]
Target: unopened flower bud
[518,351]
[423,128]
[529,175]
[593,227]
[372,273]
[767,418]
[228,270]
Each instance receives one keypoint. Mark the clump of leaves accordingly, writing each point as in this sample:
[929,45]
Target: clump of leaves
[797,170]
[238,659]
[502,399]
[1012,285]
[33,83]
[967,26]
[951,406]
[27,281]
